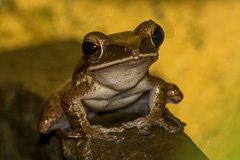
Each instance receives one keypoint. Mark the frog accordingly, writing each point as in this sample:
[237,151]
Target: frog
[112,74]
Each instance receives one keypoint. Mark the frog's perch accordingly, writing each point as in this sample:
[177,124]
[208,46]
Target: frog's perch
[158,145]
[35,88]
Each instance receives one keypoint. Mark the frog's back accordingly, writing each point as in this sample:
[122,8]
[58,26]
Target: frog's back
[52,116]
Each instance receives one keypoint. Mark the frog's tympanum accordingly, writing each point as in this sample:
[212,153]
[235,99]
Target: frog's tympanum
[112,74]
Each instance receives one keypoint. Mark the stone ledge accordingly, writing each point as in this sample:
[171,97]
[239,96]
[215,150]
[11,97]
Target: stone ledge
[158,145]
[29,76]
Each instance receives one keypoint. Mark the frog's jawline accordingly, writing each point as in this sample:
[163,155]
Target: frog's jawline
[102,66]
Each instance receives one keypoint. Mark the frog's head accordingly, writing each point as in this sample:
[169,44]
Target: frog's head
[121,60]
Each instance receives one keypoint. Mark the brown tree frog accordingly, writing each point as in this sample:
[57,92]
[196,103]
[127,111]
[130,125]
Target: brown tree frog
[112,74]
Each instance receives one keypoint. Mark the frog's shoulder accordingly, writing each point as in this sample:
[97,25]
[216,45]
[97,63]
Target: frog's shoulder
[155,80]
[79,74]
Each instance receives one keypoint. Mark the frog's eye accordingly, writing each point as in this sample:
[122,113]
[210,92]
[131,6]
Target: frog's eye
[157,36]
[91,50]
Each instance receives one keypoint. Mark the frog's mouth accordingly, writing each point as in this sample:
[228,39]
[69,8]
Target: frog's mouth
[137,58]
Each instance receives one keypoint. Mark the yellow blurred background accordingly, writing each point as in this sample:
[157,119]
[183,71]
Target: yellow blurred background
[200,52]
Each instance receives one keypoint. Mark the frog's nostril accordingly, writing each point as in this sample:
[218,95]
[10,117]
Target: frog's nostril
[135,53]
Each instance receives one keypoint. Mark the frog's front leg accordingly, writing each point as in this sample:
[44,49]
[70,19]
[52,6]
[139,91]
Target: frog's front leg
[72,105]
[157,101]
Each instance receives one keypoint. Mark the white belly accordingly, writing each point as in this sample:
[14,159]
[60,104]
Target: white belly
[106,99]
[111,104]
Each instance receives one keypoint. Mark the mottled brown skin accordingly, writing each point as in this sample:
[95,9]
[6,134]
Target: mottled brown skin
[115,76]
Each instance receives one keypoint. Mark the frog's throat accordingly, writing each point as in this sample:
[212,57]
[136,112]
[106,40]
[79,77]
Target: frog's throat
[140,56]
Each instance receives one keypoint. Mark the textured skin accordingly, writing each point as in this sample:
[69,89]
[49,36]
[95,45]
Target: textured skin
[114,77]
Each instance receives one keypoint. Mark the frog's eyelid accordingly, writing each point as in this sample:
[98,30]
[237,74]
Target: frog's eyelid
[145,28]
[95,37]
[91,39]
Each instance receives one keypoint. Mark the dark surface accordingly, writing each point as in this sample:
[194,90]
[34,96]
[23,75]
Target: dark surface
[159,145]
[29,76]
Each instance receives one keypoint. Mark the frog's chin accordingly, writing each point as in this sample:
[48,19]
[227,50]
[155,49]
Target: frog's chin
[125,75]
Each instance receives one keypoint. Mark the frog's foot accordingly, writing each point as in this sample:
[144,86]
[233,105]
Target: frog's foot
[108,130]
[145,124]
[138,123]
[92,133]
[161,122]
[169,116]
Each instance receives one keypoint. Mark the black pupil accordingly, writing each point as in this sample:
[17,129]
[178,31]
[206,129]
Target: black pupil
[89,48]
[158,36]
